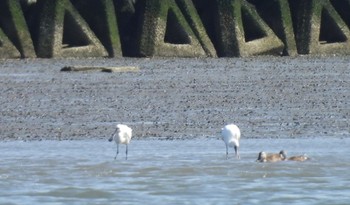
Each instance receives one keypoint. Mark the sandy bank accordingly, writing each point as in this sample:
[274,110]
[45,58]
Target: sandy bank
[176,98]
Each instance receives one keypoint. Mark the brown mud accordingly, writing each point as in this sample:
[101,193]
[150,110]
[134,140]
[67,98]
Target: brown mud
[176,98]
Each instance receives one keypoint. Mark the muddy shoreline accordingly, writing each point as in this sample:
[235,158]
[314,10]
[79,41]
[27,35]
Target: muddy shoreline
[176,98]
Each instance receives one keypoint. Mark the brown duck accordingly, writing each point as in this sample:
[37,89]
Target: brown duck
[264,157]
[299,158]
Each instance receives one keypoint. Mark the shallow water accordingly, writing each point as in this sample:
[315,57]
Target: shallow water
[173,172]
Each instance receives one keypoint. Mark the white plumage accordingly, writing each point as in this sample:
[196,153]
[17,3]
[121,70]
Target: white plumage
[231,134]
[122,135]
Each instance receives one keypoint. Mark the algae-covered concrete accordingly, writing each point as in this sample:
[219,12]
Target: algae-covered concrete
[64,33]
[104,25]
[15,27]
[277,14]
[322,30]
[192,17]
[242,32]
[164,31]
[7,49]
[173,28]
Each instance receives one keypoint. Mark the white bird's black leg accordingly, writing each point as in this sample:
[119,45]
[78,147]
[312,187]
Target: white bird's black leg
[117,152]
[126,152]
[226,152]
[236,152]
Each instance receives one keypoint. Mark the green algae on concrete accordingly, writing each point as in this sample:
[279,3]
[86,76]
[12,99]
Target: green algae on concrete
[321,29]
[64,33]
[7,49]
[342,7]
[15,26]
[127,24]
[197,26]
[101,17]
[242,32]
[89,28]
[164,31]
[277,14]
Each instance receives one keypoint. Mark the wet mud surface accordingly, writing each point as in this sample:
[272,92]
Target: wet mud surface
[176,98]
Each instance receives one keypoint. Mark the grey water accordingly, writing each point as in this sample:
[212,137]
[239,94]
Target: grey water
[173,172]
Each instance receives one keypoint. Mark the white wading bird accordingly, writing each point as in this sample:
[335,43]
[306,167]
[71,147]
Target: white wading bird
[231,135]
[122,135]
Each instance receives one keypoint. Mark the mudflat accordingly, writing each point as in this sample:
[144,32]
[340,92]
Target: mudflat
[176,98]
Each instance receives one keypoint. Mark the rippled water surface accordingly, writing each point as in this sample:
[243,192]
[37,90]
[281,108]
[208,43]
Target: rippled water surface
[173,172]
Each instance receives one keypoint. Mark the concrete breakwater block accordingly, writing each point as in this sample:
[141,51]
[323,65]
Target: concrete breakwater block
[242,32]
[192,17]
[322,29]
[61,24]
[278,16]
[101,68]
[164,31]
[173,28]
[102,19]
[7,49]
[14,25]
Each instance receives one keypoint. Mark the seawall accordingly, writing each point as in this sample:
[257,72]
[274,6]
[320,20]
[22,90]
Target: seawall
[173,28]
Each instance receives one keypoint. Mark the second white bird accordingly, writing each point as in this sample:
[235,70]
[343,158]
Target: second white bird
[122,135]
